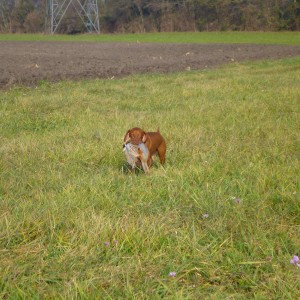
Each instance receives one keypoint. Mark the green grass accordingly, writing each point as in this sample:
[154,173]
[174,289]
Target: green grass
[231,133]
[288,38]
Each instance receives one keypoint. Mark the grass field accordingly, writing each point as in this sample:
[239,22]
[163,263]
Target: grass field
[223,214]
[287,38]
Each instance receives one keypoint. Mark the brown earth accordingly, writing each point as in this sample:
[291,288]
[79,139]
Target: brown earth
[30,62]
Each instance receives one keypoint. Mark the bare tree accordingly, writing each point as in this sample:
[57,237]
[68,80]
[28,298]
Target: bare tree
[162,15]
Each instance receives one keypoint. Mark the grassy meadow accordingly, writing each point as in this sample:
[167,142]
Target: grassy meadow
[223,214]
[224,37]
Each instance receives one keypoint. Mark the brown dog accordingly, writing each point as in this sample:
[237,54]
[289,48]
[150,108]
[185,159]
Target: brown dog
[153,140]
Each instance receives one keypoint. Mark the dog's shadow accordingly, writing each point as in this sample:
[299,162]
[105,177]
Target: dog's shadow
[127,169]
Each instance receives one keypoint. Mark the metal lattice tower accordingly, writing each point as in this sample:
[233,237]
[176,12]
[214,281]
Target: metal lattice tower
[86,9]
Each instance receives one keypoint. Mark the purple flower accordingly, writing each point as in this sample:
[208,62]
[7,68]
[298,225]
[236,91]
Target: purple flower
[115,242]
[107,244]
[205,216]
[172,274]
[237,200]
[295,261]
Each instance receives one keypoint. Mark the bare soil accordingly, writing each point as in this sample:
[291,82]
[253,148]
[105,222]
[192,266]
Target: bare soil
[28,63]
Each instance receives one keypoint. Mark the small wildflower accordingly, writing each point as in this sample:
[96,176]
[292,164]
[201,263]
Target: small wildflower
[172,274]
[237,200]
[269,258]
[115,242]
[205,216]
[295,261]
[107,244]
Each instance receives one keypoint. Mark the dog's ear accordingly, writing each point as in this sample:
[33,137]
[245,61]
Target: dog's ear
[127,137]
[144,138]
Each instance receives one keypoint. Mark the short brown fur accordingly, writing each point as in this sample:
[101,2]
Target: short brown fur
[153,140]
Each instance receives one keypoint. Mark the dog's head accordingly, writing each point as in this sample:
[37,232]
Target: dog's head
[135,136]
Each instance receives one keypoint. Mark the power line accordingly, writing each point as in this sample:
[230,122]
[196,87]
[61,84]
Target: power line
[87,10]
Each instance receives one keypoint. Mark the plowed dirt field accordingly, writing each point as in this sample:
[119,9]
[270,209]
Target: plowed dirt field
[28,63]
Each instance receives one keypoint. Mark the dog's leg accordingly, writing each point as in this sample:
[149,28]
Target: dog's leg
[149,161]
[161,150]
[145,167]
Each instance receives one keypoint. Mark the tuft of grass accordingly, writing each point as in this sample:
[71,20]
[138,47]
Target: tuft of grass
[224,37]
[65,193]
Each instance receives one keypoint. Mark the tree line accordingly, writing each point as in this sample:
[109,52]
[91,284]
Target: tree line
[131,16]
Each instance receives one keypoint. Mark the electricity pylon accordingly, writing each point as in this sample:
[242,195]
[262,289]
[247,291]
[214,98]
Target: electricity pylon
[86,9]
